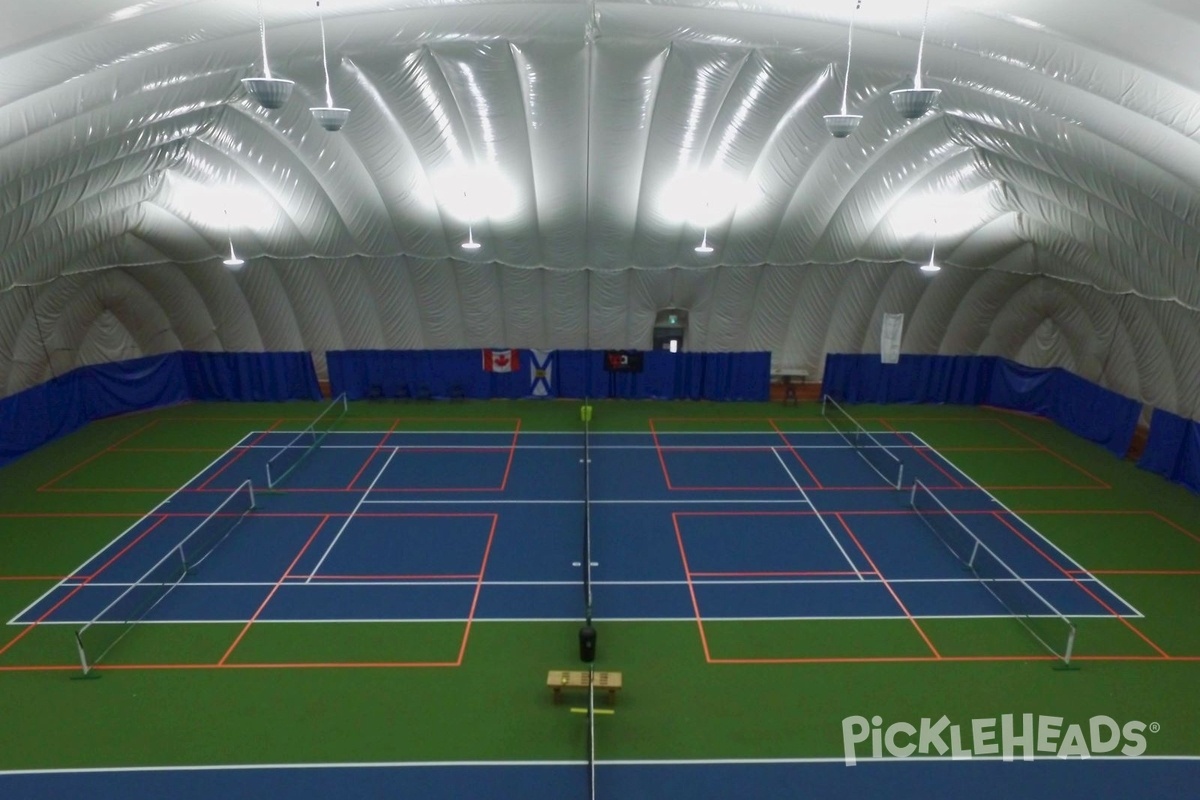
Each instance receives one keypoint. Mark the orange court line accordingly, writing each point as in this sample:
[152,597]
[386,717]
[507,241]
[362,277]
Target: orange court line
[1062,458]
[270,594]
[512,452]
[923,452]
[68,514]
[687,572]
[964,449]
[1000,516]
[661,460]
[178,449]
[1176,526]
[487,550]
[37,577]
[1135,572]
[813,573]
[794,452]
[877,659]
[45,486]
[464,577]
[267,665]
[79,587]
[887,585]
[374,453]
[1014,412]
[454,419]
[240,452]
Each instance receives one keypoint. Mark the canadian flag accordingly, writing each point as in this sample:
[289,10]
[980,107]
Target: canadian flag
[501,360]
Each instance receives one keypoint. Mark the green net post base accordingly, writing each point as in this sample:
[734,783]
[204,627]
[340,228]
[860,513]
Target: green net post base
[585,413]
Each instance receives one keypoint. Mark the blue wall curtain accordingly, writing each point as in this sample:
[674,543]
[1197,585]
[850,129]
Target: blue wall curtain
[33,417]
[1080,406]
[250,376]
[1173,449]
[574,373]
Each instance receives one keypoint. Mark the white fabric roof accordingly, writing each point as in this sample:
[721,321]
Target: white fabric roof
[1062,166]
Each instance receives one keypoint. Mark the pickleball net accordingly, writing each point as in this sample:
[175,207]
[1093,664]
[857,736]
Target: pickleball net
[1049,626]
[880,458]
[100,635]
[290,456]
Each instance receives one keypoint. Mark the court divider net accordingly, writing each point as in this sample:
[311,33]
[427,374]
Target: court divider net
[587,515]
[880,458]
[280,465]
[95,639]
[1046,623]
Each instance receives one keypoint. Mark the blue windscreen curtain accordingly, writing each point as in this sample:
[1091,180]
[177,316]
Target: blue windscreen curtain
[1093,412]
[860,378]
[1080,406]
[572,373]
[37,415]
[250,376]
[1173,449]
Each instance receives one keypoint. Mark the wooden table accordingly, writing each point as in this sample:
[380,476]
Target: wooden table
[559,679]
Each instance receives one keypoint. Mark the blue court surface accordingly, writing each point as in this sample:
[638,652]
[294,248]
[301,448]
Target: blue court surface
[923,779]
[391,527]
[459,526]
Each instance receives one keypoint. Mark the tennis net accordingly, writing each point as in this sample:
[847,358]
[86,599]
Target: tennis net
[1046,623]
[587,513]
[280,465]
[880,459]
[95,639]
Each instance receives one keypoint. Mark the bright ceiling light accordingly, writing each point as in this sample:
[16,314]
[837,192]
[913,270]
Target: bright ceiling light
[703,198]
[473,194]
[957,213]
[930,268]
[205,205]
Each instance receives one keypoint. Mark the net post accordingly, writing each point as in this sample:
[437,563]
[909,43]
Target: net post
[912,496]
[250,487]
[270,480]
[900,479]
[824,397]
[1066,664]
[83,660]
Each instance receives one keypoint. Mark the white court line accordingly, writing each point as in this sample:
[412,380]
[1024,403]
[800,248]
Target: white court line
[345,524]
[707,581]
[580,501]
[824,524]
[1029,527]
[118,537]
[476,447]
[907,763]
[687,617]
[577,434]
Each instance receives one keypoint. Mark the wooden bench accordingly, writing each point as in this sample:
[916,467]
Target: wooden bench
[559,679]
